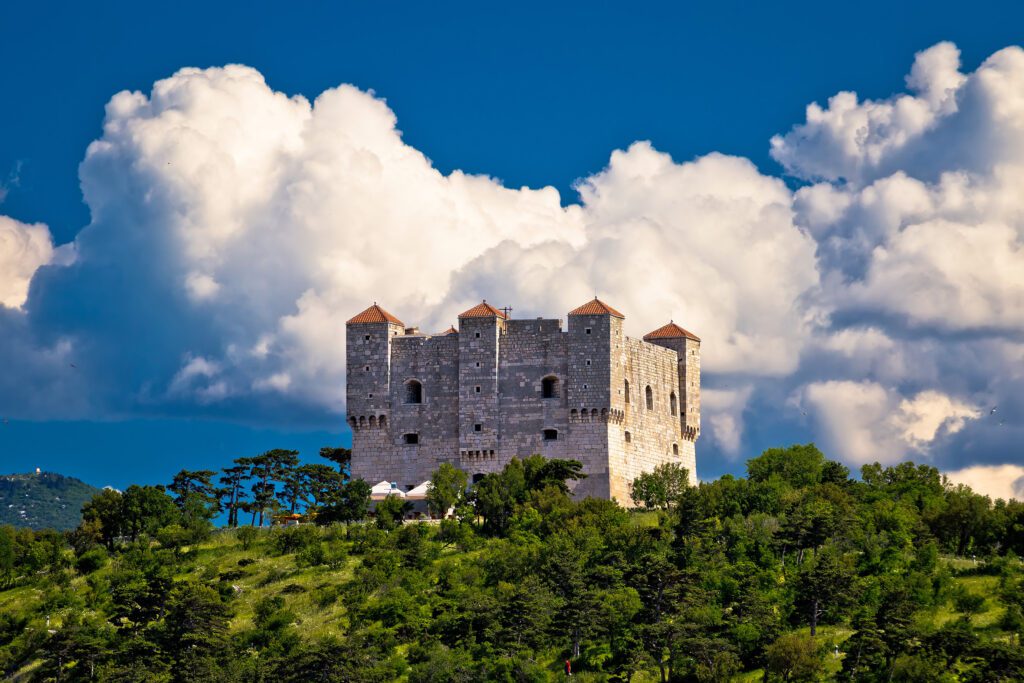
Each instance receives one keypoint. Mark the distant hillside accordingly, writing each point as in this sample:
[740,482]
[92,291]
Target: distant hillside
[43,501]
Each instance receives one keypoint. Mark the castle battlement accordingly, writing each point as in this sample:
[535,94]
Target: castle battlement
[498,388]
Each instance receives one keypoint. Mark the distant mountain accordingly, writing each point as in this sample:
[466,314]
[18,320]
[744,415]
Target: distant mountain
[43,500]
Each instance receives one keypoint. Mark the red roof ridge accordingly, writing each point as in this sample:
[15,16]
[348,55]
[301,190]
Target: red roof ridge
[596,307]
[374,314]
[483,310]
[670,331]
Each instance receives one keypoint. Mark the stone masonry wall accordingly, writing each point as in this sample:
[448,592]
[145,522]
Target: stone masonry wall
[654,433]
[490,374]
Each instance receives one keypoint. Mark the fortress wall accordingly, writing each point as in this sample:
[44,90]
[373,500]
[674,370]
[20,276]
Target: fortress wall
[530,351]
[432,361]
[652,431]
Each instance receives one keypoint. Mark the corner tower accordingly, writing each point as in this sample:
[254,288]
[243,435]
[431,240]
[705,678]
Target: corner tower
[368,367]
[594,345]
[687,347]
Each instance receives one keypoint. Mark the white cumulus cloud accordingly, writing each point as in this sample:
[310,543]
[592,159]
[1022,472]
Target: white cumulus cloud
[23,249]
[994,481]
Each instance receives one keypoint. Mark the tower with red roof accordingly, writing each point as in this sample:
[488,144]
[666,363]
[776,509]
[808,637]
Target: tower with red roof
[498,388]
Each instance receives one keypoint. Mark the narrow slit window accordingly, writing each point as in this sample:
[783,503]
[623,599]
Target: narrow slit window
[650,397]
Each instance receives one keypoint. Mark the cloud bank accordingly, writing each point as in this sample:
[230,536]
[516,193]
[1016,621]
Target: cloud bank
[877,307]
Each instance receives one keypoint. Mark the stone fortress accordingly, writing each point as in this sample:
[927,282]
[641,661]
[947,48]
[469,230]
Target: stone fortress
[498,388]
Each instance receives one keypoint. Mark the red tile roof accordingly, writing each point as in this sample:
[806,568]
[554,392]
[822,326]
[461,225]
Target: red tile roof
[375,314]
[483,310]
[671,331]
[596,307]
[450,330]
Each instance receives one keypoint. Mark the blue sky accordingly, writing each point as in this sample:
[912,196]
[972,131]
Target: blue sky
[537,95]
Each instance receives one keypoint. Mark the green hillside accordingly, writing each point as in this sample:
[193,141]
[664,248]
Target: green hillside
[43,501]
[796,573]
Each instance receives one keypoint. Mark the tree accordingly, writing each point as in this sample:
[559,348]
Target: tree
[341,456]
[233,491]
[390,511]
[196,498]
[447,488]
[662,487]
[7,558]
[795,657]
[798,466]
[195,628]
[824,588]
[351,504]
[265,469]
[102,515]
[145,509]
[323,485]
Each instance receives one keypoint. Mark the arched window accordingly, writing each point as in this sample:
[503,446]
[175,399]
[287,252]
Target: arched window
[627,391]
[413,392]
[650,397]
[477,477]
[672,403]
[550,435]
[675,449]
[629,438]
[549,387]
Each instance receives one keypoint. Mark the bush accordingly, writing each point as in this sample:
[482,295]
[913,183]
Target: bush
[247,535]
[969,603]
[311,556]
[91,560]
[295,539]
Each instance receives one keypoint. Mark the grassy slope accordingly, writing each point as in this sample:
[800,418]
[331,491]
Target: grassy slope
[312,594]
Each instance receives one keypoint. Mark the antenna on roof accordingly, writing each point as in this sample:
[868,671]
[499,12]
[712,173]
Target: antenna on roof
[507,310]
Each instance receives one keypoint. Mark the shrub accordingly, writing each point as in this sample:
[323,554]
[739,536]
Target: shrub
[91,560]
[247,535]
[969,603]
[295,539]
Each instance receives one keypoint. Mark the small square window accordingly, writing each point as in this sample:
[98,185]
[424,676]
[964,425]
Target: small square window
[629,438]
[369,396]
[588,330]
[478,427]
[411,438]
[477,335]
[478,390]
[367,337]
[550,435]
[588,361]
[366,369]
[585,386]
[478,363]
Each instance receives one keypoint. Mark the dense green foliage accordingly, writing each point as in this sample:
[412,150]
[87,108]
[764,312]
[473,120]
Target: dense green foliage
[43,501]
[796,573]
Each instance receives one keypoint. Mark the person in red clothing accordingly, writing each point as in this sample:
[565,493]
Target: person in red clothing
[568,668]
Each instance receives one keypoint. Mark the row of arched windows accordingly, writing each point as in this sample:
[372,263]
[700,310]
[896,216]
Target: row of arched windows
[414,389]
[673,404]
